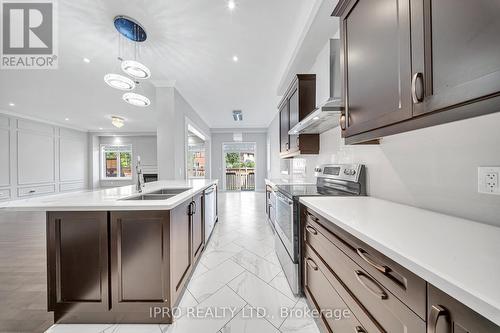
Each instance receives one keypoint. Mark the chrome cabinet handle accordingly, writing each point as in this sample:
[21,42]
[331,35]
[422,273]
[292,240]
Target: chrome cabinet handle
[363,254]
[343,122]
[287,146]
[380,294]
[359,329]
[311,230]
[32,191]
[436,312]
[312,264]
[297,142]
[416,99]
[314,218]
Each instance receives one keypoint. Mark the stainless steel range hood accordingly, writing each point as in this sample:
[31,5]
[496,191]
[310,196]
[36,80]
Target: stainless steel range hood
[328,113]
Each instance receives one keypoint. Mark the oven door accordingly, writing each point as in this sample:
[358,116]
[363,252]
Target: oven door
[284,224]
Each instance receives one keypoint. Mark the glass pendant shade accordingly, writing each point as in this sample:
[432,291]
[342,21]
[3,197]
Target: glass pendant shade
[119,82]
[136,99]
[136,69]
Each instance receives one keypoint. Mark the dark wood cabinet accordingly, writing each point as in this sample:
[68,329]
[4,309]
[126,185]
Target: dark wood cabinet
[139,260]
[447,315]
[77,254]
[298,101]
[377,66]
[180,247]
[197,223]
[456,52]
[284,127]
[116,266]
[409,64]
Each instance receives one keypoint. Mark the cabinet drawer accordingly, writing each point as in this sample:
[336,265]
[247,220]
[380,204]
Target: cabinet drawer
[66,187]
[35,190]
[403,284]
[335,314]
[4,195]
[387,310]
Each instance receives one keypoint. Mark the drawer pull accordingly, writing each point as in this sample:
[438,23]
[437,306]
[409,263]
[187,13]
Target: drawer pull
[363,254]
[380,294]
[314,218]
[32,191]
[311,263]
[436,312]
[359,329]
[311,230]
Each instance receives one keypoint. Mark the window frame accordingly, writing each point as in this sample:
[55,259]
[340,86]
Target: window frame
[123,148]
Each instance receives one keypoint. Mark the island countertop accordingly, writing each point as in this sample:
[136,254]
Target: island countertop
[111,198]
[458,256]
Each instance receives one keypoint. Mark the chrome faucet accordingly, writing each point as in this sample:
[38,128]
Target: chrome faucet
[140,178]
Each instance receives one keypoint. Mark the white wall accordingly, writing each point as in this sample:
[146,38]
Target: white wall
[260,155]
[38,158]
[173,114]
[142,145]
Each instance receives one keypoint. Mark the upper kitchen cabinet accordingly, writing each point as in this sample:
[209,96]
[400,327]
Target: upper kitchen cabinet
[456,56]
[409,64]
[376,66]
[298,102]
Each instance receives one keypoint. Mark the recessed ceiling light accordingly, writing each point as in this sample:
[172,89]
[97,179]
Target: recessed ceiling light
[66,119]
[136,99]
[86,60]
[119,82]
[231,4]
[136,69]
[117,121]
[12,104]
[235,58]
[100,128]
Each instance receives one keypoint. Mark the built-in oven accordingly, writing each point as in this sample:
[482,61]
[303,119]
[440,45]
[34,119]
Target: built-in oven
[286,238]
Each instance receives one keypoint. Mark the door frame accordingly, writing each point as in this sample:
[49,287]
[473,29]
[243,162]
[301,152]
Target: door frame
[223,157]
[208,148]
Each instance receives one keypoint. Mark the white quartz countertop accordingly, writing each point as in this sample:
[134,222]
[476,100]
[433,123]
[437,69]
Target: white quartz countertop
[290,181]
[458,256]
[111,198]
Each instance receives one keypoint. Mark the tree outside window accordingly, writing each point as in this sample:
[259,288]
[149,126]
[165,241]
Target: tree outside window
[117,161]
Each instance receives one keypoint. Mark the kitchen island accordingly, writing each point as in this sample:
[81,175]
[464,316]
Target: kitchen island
[118,256]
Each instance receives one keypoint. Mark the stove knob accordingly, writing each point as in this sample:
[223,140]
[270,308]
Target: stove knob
[353,172]
[317,169]
[346,172]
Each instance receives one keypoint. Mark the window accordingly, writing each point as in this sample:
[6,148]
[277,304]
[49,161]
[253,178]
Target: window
[116,161]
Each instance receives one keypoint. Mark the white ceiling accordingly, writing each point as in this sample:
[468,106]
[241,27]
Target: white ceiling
[191,42]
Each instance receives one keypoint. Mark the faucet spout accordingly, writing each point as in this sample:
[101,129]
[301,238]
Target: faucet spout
[140,177]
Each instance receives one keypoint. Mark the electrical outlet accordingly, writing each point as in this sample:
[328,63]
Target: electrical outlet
[487,180]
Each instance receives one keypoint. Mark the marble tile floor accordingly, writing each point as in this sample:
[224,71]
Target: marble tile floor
[238,272]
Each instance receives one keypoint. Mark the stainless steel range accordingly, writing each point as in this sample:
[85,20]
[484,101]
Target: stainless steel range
[331,180]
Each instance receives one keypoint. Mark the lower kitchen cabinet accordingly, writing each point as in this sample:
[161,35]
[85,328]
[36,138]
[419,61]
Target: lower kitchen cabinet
[77,246]
[117,266]
[447,315]
[340,272]
[139,271]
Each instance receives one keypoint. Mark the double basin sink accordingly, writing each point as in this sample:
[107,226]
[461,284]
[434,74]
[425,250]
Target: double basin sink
[163,194]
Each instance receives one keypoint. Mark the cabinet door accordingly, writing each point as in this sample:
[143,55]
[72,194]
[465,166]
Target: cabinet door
[376,64]
[180,247]
[447,315]
[197,222]
[77,253]
[284,127]
[455,55]
[294,118]
[139,260]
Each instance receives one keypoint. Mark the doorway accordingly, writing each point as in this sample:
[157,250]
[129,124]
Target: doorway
[238,159]
[196,154]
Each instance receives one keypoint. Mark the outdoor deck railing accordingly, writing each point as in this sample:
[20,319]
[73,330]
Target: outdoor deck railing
[240,179]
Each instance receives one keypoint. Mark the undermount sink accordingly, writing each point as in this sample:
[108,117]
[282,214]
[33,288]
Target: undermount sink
[170,191]
[151,196]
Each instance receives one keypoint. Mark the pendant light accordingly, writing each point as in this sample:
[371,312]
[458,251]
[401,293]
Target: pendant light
[136,98]
[136,69]
[119,82]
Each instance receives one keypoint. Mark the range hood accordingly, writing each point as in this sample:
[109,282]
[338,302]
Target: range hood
[328,113]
